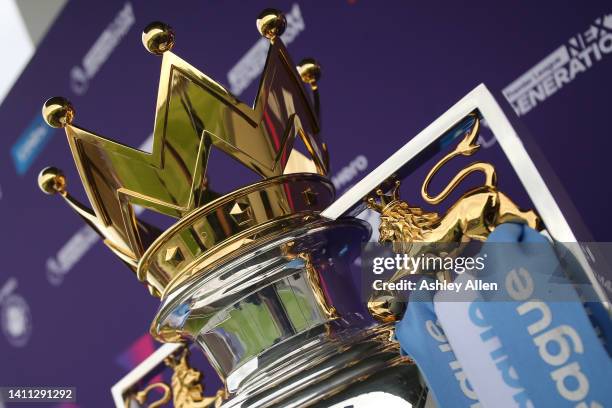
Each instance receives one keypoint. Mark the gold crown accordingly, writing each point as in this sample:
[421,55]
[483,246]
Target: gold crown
[194,114]
[381,200]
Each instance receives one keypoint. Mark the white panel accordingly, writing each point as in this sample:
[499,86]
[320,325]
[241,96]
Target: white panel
[17,47]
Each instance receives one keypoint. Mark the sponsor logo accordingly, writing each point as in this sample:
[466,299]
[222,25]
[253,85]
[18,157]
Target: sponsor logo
[30,144]
[69,254]
[15,316]
[251,65]
[8,288]
[561,67]
[80,75]
[347,174]
[482,140]
[496,352]
[72,252]
[557,346]
[434,329]
[36,136]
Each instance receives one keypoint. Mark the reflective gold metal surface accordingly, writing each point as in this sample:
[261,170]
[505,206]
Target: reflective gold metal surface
[310,72]
[51,180]
[314,281]
[142,396]
[473,216]
[158,38]
[229,223]
[58,112]
[194,116]
[255,277]
[271,23]
[185,389]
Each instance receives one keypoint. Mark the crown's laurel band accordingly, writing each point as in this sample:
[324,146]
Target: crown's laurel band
[231,223]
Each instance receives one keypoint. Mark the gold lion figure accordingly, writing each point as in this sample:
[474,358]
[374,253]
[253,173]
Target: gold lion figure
[187,390]
[474,216]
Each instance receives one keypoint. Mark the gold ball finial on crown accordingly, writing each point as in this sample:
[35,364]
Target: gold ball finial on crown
[158,38]
[310,72]
[51,180]
[271,23]
[58,112]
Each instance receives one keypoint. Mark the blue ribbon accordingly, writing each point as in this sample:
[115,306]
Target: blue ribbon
[559,358]
[422,338]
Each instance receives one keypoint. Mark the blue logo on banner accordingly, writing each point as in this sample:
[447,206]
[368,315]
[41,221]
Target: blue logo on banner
[422,338]
[30,144]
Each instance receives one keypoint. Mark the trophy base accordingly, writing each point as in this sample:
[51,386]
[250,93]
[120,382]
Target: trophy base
[362,370]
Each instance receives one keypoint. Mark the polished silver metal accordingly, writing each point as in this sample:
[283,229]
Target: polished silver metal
[284,325]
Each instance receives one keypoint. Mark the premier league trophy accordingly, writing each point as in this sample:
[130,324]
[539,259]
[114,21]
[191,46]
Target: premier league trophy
[256,278]
[259,278]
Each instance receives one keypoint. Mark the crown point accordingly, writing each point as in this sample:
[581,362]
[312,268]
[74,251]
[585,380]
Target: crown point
[271,23]
[158,38]
[58,112]
[310,71]
[51,181]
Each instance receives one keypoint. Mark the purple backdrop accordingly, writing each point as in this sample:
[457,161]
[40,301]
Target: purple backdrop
[72,315]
